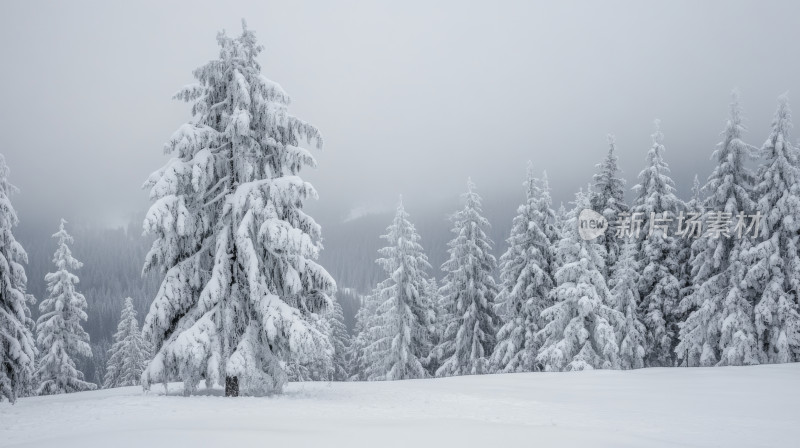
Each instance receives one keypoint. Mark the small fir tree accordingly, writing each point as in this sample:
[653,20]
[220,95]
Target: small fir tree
[130,352]
[59,333]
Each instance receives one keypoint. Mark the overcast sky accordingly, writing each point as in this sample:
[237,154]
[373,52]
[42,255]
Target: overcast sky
[411,97]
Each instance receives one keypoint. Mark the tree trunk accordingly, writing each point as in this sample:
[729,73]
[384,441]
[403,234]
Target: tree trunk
[231,386]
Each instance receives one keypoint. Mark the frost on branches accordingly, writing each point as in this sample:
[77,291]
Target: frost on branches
[334,367]
[356,360]
[720,327]
[625,294]
[130,352]
[59,334]
[17,346]
[526,276]
[318,368]
[468,293]
[773,263]
[241,286]
[558,232]
[658,251]
[608,199]
[340,340]
[580,330]
[688,250]
[434,297]
[400,330]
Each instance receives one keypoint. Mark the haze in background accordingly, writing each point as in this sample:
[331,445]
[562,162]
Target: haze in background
[411,97]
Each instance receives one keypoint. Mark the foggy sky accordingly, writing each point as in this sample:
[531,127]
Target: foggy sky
[410,97]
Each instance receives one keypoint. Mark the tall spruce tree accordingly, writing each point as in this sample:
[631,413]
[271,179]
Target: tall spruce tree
[130,352]
[357,362]
[773,263]
[687,251]
[400,334]
[526,280]
[59,334]
[625,295]
[558,231]
[551,228]
[232,239]
[608,199]
[580,329]
[658,249]
[340,340]
[717,299]
[17,345]
[469,293]
[431,362]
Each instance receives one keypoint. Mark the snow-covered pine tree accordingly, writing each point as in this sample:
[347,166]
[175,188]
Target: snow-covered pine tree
[130,352]
[17,345]
[558,231]
[659,286]
[579,333]
[400,335]
[608,199]
[625,294]
[233,241]
[433,296]
[773,263]
[431,362]
[357,363]
[59,334]
[469,293]
[717,299]
[318,368]
[551,229]
[340,340]
[686,250]
[526,280]
[695,205]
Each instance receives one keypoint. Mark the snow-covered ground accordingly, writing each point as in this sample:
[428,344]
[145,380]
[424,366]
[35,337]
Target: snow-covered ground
[698,407]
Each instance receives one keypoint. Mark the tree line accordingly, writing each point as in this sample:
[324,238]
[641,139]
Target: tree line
[563,302]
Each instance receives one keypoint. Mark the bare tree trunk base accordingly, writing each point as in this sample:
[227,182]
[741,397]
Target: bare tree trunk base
[231,386]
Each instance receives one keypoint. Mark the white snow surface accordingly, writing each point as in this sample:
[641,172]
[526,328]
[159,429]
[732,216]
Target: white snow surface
[659,407]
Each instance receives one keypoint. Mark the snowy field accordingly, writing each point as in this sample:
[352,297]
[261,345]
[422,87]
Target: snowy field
[699,407]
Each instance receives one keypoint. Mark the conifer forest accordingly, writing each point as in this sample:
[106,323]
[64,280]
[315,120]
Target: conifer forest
[507,224]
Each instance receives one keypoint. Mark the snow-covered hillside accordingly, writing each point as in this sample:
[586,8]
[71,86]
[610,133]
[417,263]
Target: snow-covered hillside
[697,407]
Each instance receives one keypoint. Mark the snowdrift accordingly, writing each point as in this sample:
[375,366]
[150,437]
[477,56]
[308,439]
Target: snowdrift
[698,407]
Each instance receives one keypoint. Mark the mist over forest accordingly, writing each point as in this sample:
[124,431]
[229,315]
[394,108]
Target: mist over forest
[113,257]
